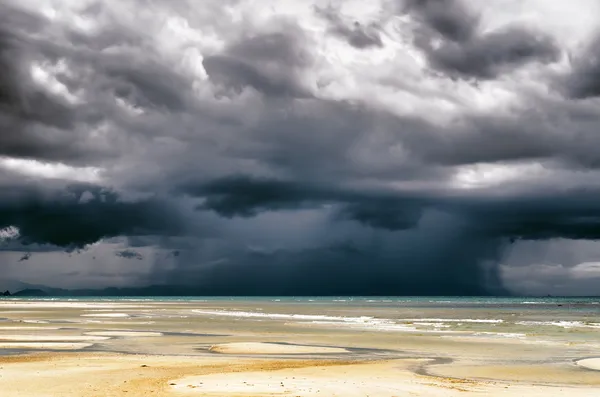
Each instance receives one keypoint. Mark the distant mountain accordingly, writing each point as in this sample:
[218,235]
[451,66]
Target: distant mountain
[24,290]
[30,292]
[152,290]
[18,285]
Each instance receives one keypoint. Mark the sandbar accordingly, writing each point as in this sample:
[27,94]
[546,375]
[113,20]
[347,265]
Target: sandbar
[51,338]
[44,345]
[590,363]
[272,348]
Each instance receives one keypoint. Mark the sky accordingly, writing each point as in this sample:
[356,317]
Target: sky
[300,147]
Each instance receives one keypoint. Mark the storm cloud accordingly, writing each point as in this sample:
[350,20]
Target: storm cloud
[584,80]
[451,35]
[406,147]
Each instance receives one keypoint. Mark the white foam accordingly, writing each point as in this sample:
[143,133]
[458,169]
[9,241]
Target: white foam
[279,316]
[373,324]
[368,322]
[563,324]
[491,335]
[501,334]
[434,325]
[455,320]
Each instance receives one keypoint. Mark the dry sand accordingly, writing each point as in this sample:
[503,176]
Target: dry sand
[96,375]
[381,379]
[272,348]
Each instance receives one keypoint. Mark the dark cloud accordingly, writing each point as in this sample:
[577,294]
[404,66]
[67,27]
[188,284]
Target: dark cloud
[82,215]
[390,214]
[572,214]
[35,122]
[584,80]
[245,196]
[452,19]
[355,34]
[271,63]
[433,260]
[129,254]
[327,181]
[489,55]
[24,108]
[467,52]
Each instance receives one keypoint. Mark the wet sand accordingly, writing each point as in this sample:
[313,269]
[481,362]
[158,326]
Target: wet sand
[172,349]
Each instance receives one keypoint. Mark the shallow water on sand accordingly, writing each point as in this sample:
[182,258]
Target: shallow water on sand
[533,341]
[567,322]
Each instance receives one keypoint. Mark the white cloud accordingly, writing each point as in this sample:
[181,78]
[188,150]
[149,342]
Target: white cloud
[46,170]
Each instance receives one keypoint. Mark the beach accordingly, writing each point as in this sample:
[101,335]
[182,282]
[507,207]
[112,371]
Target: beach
[379,347]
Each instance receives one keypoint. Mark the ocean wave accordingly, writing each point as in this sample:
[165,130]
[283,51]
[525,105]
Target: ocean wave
[280,316]
[361,322]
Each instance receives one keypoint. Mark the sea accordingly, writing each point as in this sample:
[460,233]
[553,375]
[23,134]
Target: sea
[552,319]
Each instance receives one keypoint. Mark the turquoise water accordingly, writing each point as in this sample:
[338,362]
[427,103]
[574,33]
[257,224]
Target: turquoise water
[588,306]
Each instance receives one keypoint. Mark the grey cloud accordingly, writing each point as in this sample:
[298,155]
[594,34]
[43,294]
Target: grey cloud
[149,86]
[465,51]
[489,55]
[355,34]
[584,80]
[271,63]
[297,190]
[99,67]
[37,123]
[452,19]
[32,120]
[556,279]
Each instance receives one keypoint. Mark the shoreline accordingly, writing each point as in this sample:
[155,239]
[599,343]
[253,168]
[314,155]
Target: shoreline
[184,348]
